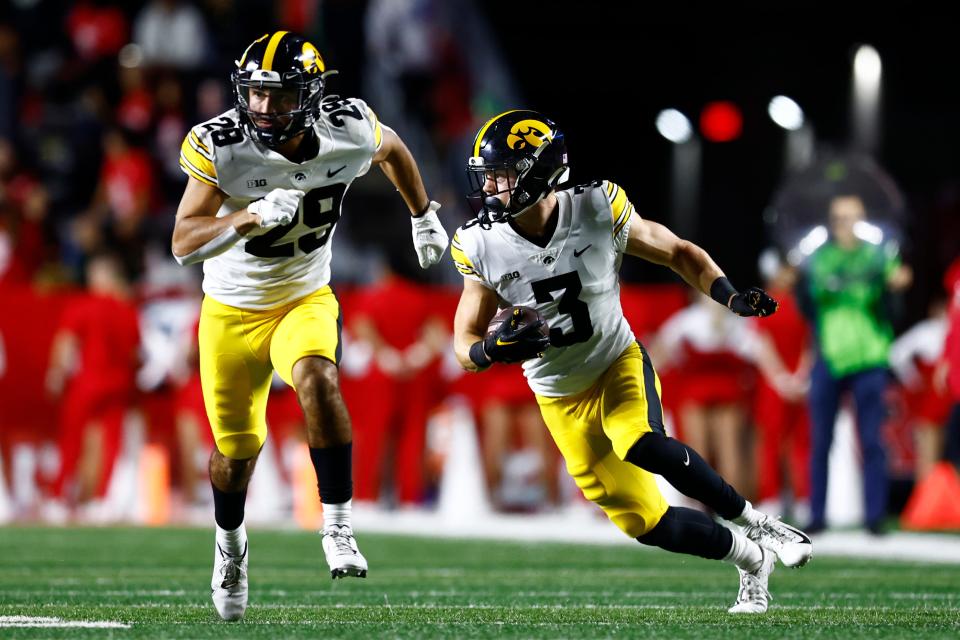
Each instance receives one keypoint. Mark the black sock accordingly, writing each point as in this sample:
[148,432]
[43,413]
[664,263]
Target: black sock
[228,508]
[334,472]
[689,531]
[683,467]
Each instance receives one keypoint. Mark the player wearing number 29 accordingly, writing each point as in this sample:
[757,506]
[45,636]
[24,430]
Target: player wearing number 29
[266,181]
[558,249]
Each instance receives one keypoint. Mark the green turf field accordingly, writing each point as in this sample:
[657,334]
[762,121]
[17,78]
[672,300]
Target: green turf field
[157,581]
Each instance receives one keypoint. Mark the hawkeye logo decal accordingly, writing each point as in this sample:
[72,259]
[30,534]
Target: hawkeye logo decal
[311,59]
[547,258]
[528,132]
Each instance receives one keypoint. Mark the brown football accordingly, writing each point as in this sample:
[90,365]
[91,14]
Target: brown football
[520,317]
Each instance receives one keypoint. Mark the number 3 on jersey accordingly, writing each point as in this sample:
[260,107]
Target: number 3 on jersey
[569,304]
[321,210]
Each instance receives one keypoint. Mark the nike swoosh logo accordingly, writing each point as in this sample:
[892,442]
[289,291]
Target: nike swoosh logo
[686,462]
[330,173]
[577,254]
[501,343]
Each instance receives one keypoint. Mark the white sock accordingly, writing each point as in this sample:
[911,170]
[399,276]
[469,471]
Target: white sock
[749,515]
[744,553]
[232,542]
[338,514]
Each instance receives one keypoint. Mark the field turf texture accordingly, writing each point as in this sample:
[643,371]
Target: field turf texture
[156,581]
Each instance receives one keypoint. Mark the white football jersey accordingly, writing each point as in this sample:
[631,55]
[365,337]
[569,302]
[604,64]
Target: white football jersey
[271,267]
[573,282]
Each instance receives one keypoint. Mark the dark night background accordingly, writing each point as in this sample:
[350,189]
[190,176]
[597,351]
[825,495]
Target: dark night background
[603,70]
[604,73]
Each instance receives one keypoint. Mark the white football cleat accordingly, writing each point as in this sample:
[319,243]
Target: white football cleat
[342,553]
[754,596]
[791,545]
[229,583]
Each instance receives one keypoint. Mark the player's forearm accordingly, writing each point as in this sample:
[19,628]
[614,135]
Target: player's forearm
[695,266]
[401,169]
[462,343]
[192,234]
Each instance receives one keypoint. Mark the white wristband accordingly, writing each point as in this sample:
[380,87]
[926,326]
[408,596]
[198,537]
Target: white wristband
[213,247]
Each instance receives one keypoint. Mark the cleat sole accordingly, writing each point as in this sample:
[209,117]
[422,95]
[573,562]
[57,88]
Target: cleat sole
[803,562]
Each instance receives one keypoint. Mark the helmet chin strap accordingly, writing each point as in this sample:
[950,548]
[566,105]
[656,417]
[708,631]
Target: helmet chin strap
[494,205]
[495,211]
[492,211]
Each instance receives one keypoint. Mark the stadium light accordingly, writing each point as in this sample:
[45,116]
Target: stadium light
[684,169]
[867,67]
[786,113]
[865,112]
[674,126]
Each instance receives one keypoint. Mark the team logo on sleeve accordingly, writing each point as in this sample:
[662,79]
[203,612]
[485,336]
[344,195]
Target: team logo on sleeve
[528,132]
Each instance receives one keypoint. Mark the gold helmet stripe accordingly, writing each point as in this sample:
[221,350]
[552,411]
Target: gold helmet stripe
[243,58]
[272,50]
[476,143]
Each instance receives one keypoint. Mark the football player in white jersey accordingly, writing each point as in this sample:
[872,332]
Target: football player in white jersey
[558,250]
[266,181]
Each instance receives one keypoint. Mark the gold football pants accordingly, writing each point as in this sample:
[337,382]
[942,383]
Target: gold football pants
[240,349]
[595,429]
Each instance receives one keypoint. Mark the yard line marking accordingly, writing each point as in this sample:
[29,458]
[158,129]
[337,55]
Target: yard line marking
[58,623]
[456,607]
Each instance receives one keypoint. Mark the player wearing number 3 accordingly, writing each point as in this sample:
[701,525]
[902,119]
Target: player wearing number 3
[558,249]
[266,181]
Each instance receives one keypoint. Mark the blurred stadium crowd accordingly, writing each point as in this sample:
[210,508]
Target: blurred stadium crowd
[97,333]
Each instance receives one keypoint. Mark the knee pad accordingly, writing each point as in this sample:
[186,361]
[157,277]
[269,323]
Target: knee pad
[631,511]
[592,488]
[239,446]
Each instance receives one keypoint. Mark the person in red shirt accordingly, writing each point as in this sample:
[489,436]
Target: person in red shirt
[193,433]
[121,203]
[783,424]
[947,376]
[711,348]
[24,206]
[508,422]
[93,364]
[913,358]
[406,333]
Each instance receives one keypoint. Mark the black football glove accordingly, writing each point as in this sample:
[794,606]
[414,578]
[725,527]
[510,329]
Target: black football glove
[509,344]
[753,302]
